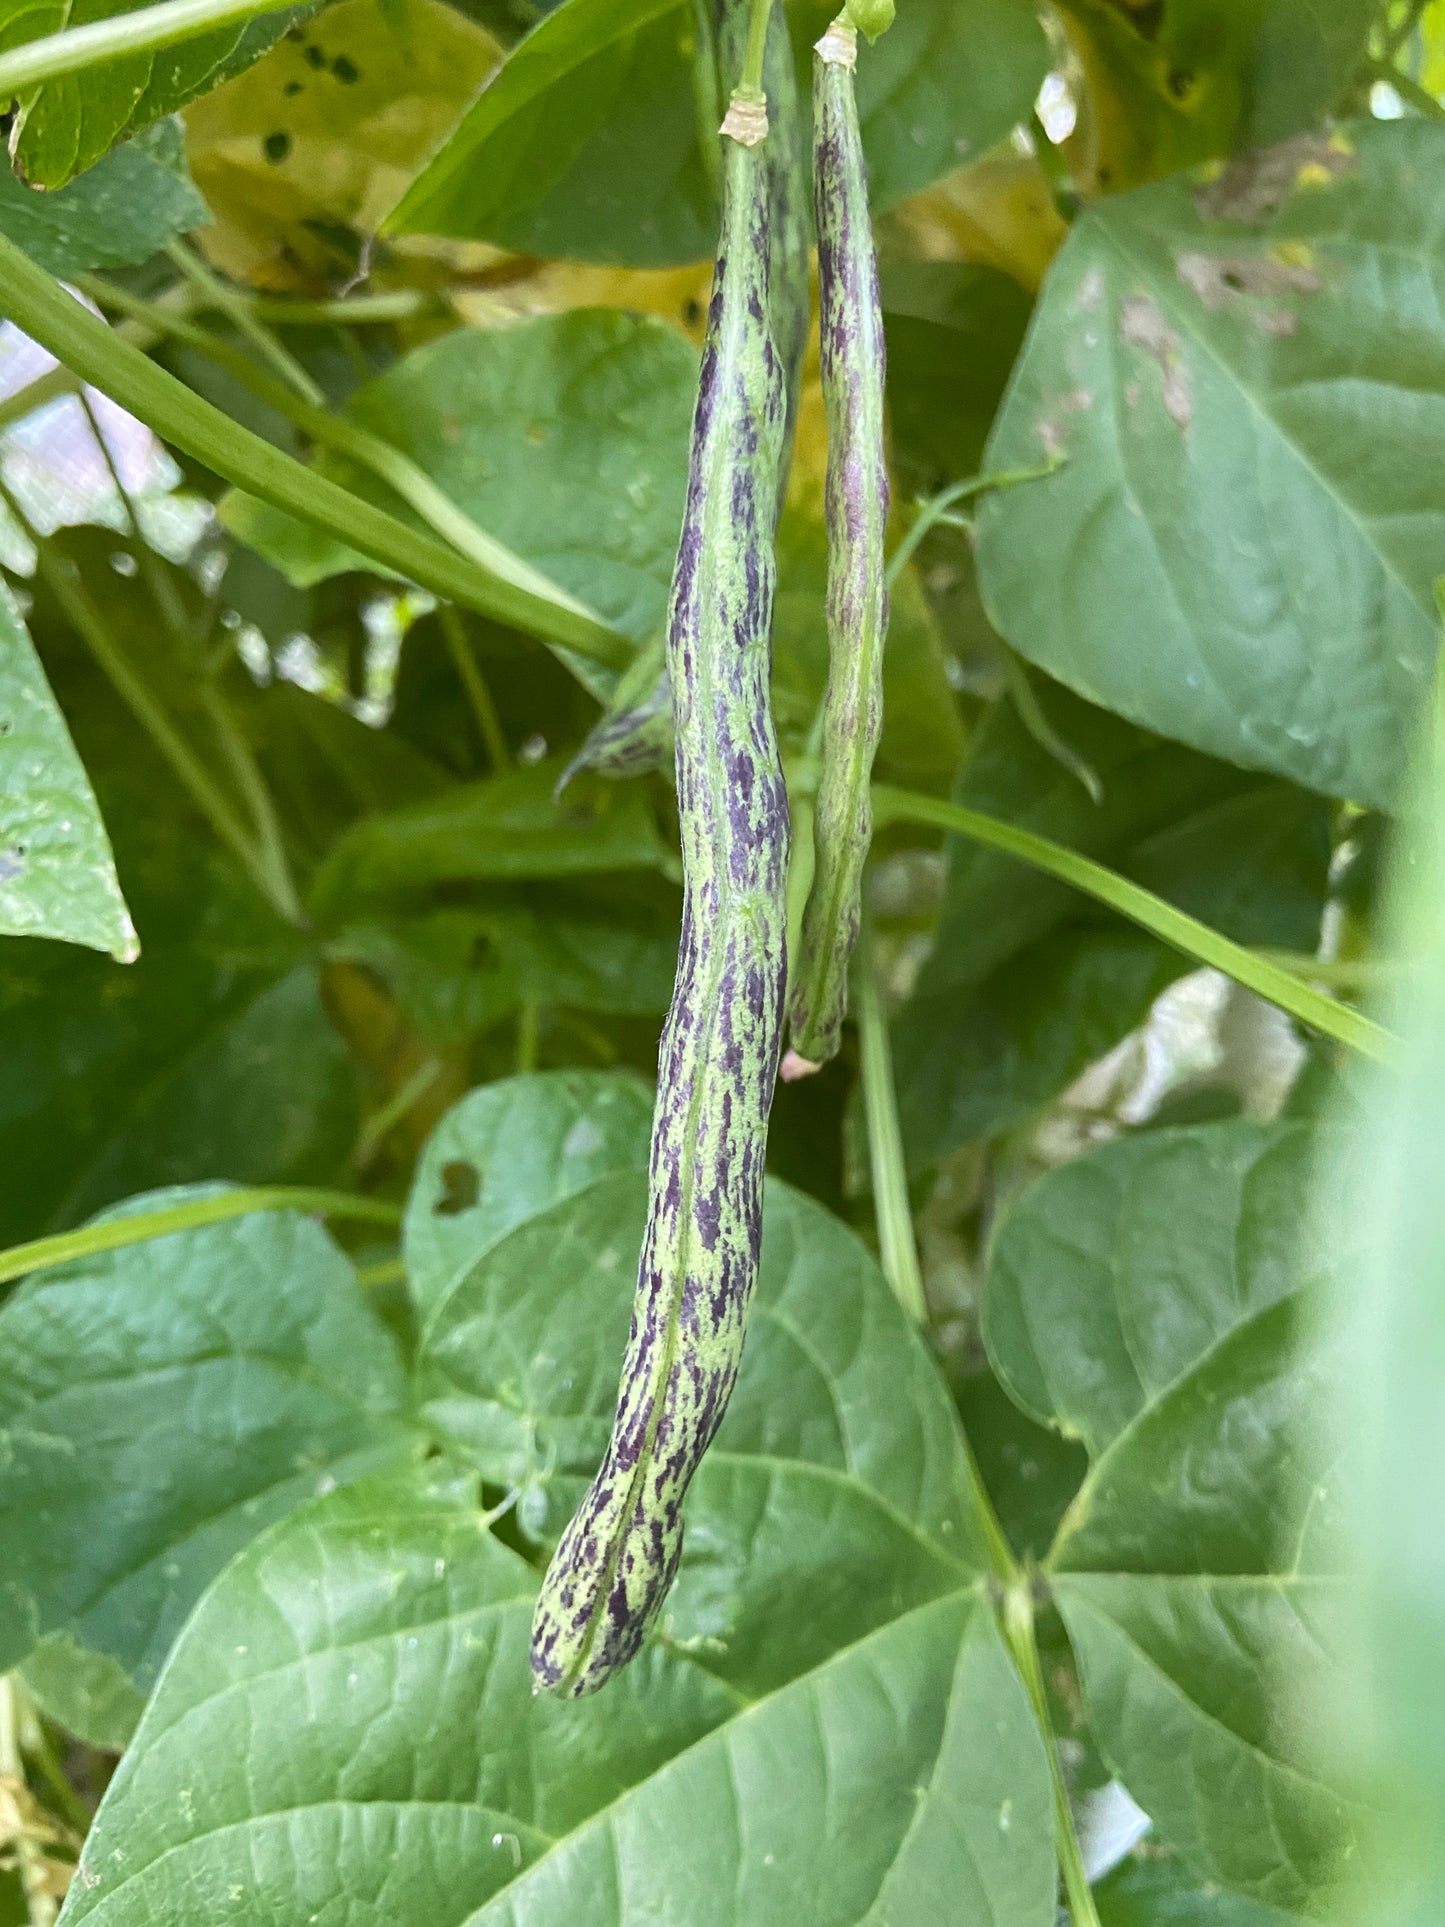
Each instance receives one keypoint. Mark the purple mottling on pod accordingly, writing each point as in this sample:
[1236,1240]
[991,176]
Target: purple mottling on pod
[851,347]
[719,1052]
[636,733]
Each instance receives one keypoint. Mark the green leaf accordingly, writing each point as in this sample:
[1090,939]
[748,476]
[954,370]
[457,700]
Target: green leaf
[1249,431]
[1025,985]
[1148,1297]
[1113,1276]
[66,124]
[527,1343]
[1151,1889]
[506,826]
[1199,1603]
[351,1712]
[586,143]
[565,438]
[508,1152]
[160,1404]
[57,875]
[118,213]
[954,331]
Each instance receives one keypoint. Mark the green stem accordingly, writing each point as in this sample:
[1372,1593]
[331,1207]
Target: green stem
[1030,713]
[40,1254]
[529,1034]
[1410,91]
[80,610]
[1175,927]
[896,1245]
[410,1091]
[350,311]
[40,1909]
[386,1271]
[389,464]
[937,506]
[242,312]
[142,31]
[45,388]
[1018,1626]
[488,722]
[751,83]
[38,305]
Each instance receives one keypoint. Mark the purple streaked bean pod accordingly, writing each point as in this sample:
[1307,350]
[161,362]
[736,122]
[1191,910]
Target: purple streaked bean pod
[851,345]
[719,1052]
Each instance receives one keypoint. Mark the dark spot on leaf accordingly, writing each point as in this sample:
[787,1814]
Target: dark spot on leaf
[277,146]
[346,71]
[461,1188]
[315,57]
[1180,82]
[292,87]
[692,311]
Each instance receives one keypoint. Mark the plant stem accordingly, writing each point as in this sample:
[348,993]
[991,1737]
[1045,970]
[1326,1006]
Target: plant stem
[269,853]
[386,1271]
[389,464]
[751,83]
[382,1120]
[38,305]
[1030,713]
[936,508]
[243,313]
[1410,91]
[40,1254]
[529,1032]
[885,1139]
[40,1907]
[1018,1627]
[1174,927]
[142,31]
[489,723]
[351,311]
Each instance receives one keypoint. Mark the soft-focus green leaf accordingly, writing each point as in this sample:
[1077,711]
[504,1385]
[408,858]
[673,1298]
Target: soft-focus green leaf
[586,144]
[57,875]
[564,438]
[1386,1724]
[1245,375]
[348,1730]
[160,1404]
[504,827]
[508,1152]
[118,213]
[1114,1275]
[1207,77]
[67,124]
[1026,985]
[1151,1889]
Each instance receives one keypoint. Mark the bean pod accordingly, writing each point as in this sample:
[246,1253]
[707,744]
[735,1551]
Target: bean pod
[852,360]
[719,1051]
[635,733]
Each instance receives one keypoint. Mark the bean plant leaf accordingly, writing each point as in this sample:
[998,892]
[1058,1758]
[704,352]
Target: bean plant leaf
[1027,984]
[65,125]
[160,1404]
[508,1152]
[116,214]
[1152,1889]
[754,1764]
[1195,1569]
[586,144]
[1114,1275]
[1221,558]
[57,875]
[505,827]
[565,439]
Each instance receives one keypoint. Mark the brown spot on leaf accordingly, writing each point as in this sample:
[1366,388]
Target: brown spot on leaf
[1226,280]
[1142,325]
[1254,186]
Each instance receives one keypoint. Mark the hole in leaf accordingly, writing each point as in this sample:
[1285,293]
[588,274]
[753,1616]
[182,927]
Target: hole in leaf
[461,1188]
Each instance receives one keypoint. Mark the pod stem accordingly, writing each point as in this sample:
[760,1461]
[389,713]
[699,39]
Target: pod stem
[751,84]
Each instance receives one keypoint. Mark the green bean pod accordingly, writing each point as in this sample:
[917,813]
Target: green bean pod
[719,1051]
[852,360]
[635,734]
